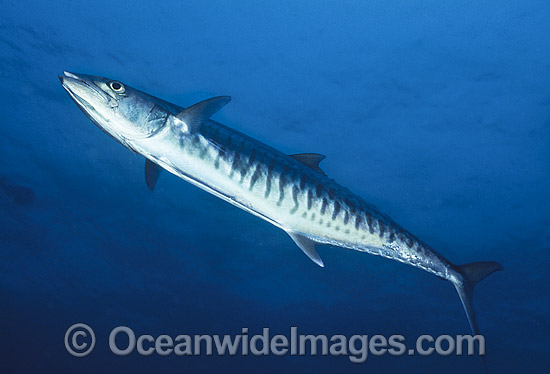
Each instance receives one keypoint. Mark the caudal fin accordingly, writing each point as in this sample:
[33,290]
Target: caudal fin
[472,274]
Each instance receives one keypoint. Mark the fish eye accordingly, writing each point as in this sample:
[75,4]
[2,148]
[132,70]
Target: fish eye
[117,87]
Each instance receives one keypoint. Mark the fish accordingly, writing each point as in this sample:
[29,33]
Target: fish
[289,191]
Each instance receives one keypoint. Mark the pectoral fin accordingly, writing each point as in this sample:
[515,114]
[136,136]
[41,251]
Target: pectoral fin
[152,173]
[308,246]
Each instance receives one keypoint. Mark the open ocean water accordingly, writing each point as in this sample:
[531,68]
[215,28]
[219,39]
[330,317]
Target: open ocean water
[438,113]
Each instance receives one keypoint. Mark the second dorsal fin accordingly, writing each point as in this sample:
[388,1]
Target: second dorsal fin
[310,159]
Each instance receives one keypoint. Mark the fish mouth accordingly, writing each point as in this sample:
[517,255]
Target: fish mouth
[90,99]
[87,95]
[83,90]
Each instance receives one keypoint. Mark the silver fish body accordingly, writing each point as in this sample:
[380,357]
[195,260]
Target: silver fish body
[291,192]
[285,192]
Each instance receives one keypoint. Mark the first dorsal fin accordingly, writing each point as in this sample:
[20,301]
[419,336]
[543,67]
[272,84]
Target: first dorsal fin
[199,113]
[307,246]
[152,173]
[310,159]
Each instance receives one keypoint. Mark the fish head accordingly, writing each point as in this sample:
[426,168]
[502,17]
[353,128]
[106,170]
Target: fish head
[121,111]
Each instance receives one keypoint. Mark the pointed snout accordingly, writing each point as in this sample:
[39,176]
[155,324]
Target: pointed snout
[69,75]
[72,77]
[83,88]
[67,78]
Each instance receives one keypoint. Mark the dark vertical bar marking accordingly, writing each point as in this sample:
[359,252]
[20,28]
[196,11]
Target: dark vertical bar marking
[268,179]
[381,228]
[221,150]
[282,184]
[220,154]
[234,164]
[408,240]
[357,221]
[309,199]
[295,191]
[336,210]
[244,169]
[318,189]
[203,151]
[350,205]
[369,223]
[392,234]
[196,140]
[324,206]
[303,180]
[255,176]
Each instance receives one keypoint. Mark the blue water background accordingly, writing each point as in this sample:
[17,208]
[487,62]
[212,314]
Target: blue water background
[436,112]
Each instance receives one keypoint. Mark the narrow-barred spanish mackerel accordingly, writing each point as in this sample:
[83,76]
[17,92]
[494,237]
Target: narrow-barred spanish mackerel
[291,192]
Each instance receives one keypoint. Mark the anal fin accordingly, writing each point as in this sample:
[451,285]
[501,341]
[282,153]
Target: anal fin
[307,246]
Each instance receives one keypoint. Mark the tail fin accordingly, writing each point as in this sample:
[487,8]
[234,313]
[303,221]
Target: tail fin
[472,274]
